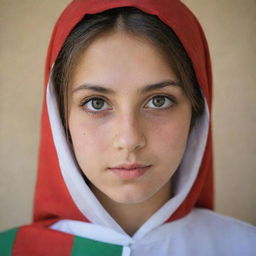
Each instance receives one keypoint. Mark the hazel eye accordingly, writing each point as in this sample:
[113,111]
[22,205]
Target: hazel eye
[95,104]
[160,102]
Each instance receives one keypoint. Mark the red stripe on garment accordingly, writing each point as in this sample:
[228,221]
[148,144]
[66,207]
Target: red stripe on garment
[38,241]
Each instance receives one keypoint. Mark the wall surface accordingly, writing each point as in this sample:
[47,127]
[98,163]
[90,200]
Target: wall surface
[230,27]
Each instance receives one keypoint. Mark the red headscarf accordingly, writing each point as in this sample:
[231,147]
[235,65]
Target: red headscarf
[52,199]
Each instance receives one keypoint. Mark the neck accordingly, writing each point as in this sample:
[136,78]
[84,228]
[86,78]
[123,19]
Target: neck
[131,216]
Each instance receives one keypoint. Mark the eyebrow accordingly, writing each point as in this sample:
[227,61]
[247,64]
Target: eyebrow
[144,89]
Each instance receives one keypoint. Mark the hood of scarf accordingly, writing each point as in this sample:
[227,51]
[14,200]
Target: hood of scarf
[61,192]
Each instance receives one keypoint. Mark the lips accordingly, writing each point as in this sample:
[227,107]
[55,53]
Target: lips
[130,166]
[130,171]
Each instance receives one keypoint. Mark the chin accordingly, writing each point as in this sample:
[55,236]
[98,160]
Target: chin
[129,197]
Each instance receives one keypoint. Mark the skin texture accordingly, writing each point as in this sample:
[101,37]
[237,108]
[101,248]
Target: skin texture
[129,126]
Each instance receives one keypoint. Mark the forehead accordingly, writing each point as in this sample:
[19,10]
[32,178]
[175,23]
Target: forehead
[121,61]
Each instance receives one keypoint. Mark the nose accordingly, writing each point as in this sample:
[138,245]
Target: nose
[129,134]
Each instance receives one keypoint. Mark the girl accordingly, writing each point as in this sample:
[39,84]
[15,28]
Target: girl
[125,164]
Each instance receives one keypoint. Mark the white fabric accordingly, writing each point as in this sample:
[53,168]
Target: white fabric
[202,232]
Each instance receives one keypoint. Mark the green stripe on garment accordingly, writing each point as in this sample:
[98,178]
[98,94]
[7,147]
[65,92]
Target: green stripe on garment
[6,241]
[88,247]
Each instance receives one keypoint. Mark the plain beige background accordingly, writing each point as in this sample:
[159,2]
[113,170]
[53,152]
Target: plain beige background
[230,27]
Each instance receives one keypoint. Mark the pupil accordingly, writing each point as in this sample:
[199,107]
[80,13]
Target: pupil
[158,101]
[98,103]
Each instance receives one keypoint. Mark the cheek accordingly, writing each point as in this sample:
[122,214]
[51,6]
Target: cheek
[169,138]
[89,138]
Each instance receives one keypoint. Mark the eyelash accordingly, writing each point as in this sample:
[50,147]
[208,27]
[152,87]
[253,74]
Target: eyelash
[85,101]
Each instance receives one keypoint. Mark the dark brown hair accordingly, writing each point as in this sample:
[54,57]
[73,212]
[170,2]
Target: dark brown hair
[134,22]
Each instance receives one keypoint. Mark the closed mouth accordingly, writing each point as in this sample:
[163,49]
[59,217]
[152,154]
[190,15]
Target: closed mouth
[130,173]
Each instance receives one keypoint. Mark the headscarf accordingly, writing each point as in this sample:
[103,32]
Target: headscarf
[54,200]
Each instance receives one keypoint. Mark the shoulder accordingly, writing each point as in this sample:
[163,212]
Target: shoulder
[212,219]
[33,240]
[37,240]
[223,232]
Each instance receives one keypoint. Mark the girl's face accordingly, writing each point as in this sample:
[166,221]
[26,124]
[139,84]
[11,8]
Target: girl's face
[127,107]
